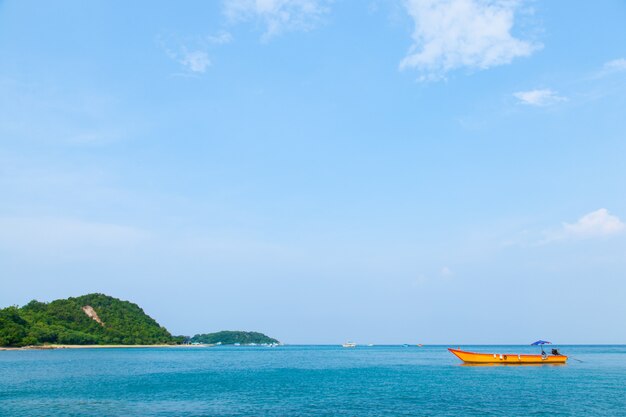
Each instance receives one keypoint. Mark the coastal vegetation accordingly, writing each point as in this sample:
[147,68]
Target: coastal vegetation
[98,319]
[93,319]
[228,337]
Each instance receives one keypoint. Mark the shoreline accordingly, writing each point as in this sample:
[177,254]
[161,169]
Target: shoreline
[54,347]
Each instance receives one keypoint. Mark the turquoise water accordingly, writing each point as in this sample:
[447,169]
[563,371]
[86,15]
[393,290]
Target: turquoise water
[307,380]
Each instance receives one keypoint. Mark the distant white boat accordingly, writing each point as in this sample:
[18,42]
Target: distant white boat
[349,345]
[370,345]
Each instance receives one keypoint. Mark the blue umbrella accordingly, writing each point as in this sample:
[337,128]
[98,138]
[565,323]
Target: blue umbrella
[541,342]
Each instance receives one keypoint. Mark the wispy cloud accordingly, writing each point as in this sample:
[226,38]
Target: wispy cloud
[540,97]
[612,67]
[599,223]
[452,34]
[193,54]
[445,272]
[195,61]
[220,38]
[616,65]
[278,15]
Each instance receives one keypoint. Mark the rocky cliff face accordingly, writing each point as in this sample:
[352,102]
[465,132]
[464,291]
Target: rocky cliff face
[90,312]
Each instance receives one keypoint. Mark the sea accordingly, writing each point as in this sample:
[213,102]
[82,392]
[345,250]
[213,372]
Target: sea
[308,381]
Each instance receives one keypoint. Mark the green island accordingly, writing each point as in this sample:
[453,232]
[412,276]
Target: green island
[95,319]
[229,337]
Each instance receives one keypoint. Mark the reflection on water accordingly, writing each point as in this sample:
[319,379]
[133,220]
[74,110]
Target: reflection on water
[512,364]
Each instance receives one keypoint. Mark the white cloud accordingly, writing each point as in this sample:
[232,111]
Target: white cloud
[192,53]
[445,272]
[452,34]
[616,65]
[278,15]
[220,39]
[541,97]
[599,223]
[195,61]
[611,67]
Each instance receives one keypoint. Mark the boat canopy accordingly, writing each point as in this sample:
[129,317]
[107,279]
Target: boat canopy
[541,342]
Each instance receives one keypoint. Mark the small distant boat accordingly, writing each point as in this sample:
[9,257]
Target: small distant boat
[510,358]
[349,345]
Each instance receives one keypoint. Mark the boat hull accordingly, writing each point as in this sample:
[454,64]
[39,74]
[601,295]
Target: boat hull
[506,358]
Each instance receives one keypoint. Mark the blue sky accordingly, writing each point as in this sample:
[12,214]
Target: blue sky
[434,171]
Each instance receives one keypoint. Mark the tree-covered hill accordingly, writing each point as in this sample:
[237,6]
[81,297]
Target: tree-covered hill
[231,337]
[89,319]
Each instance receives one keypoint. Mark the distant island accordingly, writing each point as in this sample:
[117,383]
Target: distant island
[98,319]
[228,337]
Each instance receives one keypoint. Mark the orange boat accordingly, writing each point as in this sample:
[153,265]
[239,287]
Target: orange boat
[507,358]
